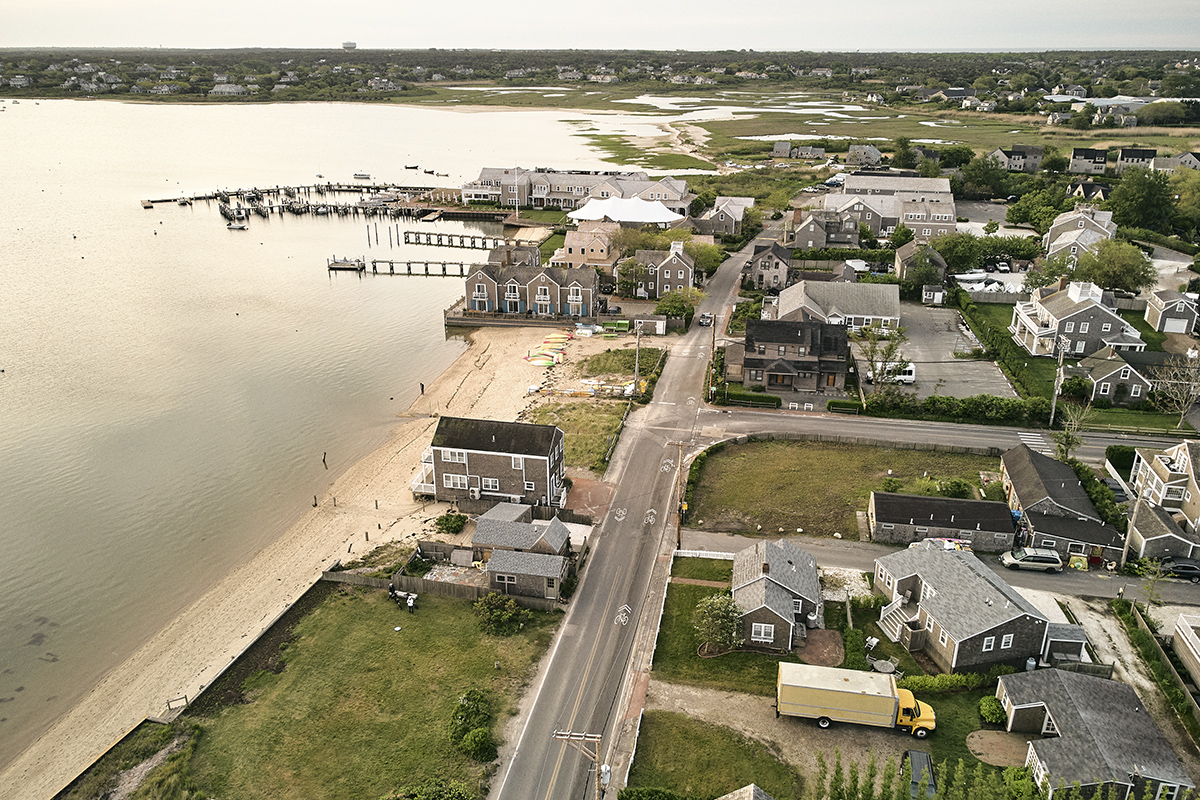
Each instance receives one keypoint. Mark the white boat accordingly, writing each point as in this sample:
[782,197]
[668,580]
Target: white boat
[362,176]
[238,226]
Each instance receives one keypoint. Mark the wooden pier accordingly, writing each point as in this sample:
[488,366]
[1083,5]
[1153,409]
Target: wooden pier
[448,269]
[467,241]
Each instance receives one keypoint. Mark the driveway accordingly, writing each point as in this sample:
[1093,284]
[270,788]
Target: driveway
[933,336]
[979,214]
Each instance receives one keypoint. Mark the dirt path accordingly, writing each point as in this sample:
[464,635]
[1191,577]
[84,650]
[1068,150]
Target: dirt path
[1112,646]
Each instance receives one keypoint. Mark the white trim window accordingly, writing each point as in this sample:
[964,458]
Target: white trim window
[1106,327]
[1083,327]
[511,580]
[1076,549]
[989,643]
[1135,390]
[762,632]
[518,462]
[529,487]
[1104,387]
[1069,327]
[797,606]
[454,481]
[943,638]
[1006,642]
[489,484]
[455,456]
[1051,543]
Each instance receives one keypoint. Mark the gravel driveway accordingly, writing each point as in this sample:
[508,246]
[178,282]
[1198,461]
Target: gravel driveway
[1112,646]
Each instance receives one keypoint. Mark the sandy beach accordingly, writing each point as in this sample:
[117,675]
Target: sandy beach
[489,380]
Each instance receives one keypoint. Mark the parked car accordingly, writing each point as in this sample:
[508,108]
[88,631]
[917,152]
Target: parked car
[1186,568]
[1118,492]
[1033,558]
[613,310]
[706,320]
[922,769]
[1003,267]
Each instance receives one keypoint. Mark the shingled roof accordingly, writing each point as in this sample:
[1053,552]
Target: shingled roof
[519,535]
[1036,477]
[943,512]
[537,564]
[968,597]
[523,438]
[1105,732]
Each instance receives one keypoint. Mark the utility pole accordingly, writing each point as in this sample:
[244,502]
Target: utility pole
[679,488]
[1063,344]
[580,741]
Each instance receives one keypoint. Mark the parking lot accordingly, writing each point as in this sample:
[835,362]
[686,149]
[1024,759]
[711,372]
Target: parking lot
[933,335]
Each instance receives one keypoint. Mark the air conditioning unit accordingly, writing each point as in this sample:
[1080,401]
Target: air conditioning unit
[474,493]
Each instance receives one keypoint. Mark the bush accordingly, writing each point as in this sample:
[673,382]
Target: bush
[434,789]
[500,615]
[956,487]
[470,713]
[478,744]
[892,484]
[1121,456]
[451,523]
[954,682]
[992,710]
[855,643]
[567,587]
[732,393]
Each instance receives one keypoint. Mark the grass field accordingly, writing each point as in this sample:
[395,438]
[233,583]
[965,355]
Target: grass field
[675,658]
[1153,339]
[587,425]
[957,715]
[811,485]
[704,569]
[696,759]
[620,362]
[552,243]
[1125,418]
[361,709]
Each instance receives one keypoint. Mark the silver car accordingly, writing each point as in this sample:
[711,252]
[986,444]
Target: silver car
[1040,558]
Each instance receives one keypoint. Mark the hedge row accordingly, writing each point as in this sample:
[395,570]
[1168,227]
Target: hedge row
[1162,240]
[694,472]
[733,393]
[845,405]
[1158,668]
[979,408]
[1101,496]
[953,682]
[1121,456]
[999,345]
[881,255]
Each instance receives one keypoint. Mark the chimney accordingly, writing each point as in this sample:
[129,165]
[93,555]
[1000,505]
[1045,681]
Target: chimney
[766,570]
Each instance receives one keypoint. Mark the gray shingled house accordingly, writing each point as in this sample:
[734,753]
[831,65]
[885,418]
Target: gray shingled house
[948,604]
[775,585]
[509,526]
[789,356]
[475,459]
[904,518]
[1154,533]
[526,574]
[1097,733]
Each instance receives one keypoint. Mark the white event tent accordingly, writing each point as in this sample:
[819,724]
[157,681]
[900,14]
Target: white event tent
[620,209]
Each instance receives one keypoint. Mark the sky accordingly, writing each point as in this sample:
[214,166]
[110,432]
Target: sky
[878,25]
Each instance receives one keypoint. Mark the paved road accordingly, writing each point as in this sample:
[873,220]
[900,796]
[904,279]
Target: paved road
[581,682]
[602,650]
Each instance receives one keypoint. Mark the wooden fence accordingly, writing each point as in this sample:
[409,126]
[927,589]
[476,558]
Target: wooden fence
[459,591]
[1175,676]
[992,452]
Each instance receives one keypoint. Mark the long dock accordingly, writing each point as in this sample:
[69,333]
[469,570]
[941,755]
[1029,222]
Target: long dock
[457,240]
[423,268]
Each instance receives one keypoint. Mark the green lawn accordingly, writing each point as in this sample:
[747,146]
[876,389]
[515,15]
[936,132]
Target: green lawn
[362,709]
[675,658]
[704,569]
[551,244]
[550,216]
[957,715]
[696,759]
[1123,417]
[1153,339]
[811,485]
[589,427]
[620,362]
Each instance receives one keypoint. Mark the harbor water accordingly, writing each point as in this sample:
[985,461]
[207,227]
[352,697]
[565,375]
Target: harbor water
[170,387]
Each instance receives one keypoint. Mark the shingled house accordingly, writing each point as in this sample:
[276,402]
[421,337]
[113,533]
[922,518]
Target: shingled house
[905,518]
[948,604]
[1094,732]
[775,585]
[475,459]
[793,356]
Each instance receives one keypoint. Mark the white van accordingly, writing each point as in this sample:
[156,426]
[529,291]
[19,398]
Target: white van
[908,375]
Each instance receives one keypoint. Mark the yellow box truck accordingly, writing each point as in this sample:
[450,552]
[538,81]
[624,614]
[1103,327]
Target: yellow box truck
[831,695]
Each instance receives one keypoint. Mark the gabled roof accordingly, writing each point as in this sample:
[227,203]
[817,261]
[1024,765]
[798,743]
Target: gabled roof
[1036,477]
[1136,152]
[818,338]
[1155,522]
[539,565]
[526,275]
[942,512]
[1075,530]
[787,565]
[828,299]
[1167,297]
[968,598]
[519,535]
[750,792]
[521,438]
[1106,361]
[1105,731]
[655,258]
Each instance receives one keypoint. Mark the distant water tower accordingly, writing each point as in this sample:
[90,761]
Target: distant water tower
[348,45]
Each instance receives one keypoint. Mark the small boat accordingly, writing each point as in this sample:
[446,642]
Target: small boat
[183,201]
[413,166]
[428,172]
[362,176]
[319,175]
[443,174]
[238,226]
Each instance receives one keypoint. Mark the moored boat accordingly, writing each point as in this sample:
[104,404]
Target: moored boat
[238,226]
